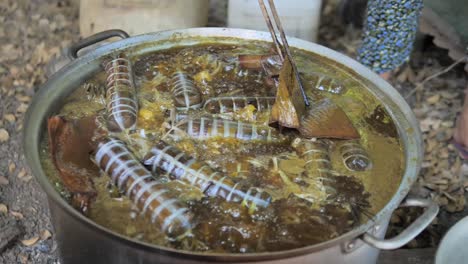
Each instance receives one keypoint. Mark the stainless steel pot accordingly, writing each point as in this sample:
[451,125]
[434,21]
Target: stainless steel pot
[82,241]
[452,247]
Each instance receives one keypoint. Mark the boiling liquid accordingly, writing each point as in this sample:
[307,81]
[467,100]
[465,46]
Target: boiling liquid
[307,206]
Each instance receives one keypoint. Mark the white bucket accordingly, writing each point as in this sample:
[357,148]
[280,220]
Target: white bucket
[141,16]
[300,18]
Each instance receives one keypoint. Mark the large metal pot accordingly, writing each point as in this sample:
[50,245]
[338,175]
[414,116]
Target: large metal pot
[82,241]
[452,247]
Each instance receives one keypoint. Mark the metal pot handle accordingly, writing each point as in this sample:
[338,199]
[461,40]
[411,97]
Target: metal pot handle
[432,209]
[93,39]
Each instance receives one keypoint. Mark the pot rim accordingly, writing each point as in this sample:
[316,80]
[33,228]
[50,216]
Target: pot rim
[395,105]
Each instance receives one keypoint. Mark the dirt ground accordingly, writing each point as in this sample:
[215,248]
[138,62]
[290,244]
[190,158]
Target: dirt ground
[33,31]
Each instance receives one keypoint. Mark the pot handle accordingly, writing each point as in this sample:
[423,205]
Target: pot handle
[432,209]
[93,39]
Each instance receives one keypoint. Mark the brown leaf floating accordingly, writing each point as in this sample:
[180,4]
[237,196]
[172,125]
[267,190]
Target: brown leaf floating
[327,120]
[250,61]
[270,63]
[289,106]
[70,145]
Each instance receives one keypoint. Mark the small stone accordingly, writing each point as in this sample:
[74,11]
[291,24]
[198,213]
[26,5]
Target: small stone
[3,180]
[4,136]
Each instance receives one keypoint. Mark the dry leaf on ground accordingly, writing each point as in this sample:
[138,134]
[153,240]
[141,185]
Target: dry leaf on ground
[30,242]
[4,136]
[4,180]
[45,234]
[17,214]
[3,209]
[10,118]
[22,173]
[433,99]
[11,167]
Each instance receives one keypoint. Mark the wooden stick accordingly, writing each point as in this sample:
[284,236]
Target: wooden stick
[276,42]
[285,45]
[280,29]
[420,85]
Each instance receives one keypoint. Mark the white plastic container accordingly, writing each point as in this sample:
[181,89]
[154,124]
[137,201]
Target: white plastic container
[300,18]
[141,16]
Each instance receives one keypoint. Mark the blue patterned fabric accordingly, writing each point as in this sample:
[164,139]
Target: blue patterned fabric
[389,32]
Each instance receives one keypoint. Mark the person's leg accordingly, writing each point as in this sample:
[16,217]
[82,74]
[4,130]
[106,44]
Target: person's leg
[390,28]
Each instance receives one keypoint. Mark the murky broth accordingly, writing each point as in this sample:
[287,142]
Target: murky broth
[242,186]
